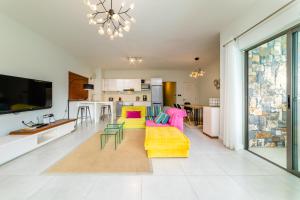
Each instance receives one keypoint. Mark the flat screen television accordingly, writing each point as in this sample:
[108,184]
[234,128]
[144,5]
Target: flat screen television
[22,94]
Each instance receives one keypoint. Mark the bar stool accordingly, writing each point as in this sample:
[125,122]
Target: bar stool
[85,114]
[103,108]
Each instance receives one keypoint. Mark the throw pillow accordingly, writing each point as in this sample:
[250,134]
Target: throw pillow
[159,118]
[157,110]
[165,119]
[150,111]
[149,118]
[133,114]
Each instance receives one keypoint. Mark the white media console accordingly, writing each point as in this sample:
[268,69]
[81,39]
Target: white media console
[22,141]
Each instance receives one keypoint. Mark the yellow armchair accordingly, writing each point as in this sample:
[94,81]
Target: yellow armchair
[133,122]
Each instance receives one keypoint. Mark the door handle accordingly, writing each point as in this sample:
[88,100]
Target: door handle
[289,101]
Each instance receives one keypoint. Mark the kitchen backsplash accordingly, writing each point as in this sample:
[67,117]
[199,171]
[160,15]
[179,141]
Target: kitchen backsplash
[127,97]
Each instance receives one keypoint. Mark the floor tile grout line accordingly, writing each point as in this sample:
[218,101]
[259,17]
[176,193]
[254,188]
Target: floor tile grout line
[39,187]
[192,187]
[244,189]
[141,189]
[89,190]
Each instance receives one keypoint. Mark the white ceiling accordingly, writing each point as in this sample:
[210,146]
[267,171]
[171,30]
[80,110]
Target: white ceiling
[167,34]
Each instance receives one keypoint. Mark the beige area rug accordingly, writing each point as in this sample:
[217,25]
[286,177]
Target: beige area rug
[130,156]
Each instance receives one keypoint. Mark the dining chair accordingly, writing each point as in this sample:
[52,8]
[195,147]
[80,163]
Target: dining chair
[188,110]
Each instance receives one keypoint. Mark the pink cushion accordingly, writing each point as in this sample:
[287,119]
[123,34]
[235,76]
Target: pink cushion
[133,114]
[179,112]
[176,117]
[153,124]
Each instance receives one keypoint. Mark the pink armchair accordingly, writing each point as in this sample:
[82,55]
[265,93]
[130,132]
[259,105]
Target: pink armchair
[176,117]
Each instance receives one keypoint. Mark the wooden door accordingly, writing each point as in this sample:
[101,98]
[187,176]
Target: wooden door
[76,91]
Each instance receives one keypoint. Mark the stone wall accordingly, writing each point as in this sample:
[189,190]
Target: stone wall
[267,88]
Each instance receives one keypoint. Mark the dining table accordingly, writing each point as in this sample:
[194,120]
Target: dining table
[197,111]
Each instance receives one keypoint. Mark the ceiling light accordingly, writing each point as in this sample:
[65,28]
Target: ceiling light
[132,6]
[133,60]
[198,72]
[101,31]
[111,22]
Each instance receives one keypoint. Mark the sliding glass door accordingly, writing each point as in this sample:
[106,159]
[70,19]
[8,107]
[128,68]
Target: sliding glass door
[273,100]
[267,100]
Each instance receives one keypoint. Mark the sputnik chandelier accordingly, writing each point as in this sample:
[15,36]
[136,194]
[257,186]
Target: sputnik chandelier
[111,23]
[198,72]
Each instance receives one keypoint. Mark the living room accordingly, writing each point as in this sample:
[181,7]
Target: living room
[158,106]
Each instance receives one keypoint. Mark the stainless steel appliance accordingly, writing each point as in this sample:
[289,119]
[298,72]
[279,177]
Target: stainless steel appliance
[156,91]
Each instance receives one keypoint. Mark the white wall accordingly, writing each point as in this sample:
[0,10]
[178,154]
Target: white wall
[26,54]
[282,21]
[97,81]
[204,86]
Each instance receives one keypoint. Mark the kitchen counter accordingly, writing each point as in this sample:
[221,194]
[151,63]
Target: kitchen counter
[95,111]
[138,103]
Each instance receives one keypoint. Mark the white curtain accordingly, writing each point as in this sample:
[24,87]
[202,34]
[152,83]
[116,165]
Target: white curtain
[232,96]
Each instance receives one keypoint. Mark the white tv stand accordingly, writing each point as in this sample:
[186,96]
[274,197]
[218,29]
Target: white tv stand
[22,141]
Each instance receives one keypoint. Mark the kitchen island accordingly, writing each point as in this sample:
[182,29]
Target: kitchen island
[95,107]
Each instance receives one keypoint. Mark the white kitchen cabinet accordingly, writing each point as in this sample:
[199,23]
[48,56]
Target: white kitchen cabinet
[211,121]
[112,85]
[115,85]
[136,84]
[105,84]
[127,84]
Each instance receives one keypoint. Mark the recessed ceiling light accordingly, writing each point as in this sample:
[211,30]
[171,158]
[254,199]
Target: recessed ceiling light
[133,60]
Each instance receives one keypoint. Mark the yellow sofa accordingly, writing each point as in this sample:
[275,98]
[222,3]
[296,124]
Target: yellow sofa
[166,142]
[133,123]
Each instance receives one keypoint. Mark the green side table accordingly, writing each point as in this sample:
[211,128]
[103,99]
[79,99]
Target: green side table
[119,127]
[107,133]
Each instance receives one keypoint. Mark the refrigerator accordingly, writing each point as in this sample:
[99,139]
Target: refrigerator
[156,92]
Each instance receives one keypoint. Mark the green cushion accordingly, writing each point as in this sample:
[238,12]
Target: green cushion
[150,111]
[153,111]
[165,119]
[157,110]
[159,118]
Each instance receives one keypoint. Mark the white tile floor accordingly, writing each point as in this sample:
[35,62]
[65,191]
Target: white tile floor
[275,154]
[211,173]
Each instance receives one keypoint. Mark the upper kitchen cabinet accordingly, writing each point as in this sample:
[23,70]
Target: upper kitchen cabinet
[133,84]
[118,85]
[112,85]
